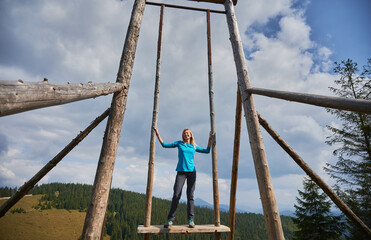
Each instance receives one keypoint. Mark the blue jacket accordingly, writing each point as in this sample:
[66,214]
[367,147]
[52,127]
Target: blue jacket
[186,153]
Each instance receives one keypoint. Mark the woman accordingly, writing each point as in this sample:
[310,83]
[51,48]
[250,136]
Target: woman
[185,170]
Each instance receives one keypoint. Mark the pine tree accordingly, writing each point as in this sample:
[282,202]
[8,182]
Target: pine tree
[313,217]
[352,141]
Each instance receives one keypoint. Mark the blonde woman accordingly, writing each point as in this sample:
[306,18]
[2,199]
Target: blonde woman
[186,170]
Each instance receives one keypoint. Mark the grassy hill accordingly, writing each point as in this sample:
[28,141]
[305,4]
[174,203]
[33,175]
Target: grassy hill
[40,224]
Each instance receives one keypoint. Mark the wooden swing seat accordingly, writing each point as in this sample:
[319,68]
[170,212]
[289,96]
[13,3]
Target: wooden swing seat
[184,229]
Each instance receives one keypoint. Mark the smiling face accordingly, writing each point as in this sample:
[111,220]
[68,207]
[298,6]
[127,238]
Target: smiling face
[187,135]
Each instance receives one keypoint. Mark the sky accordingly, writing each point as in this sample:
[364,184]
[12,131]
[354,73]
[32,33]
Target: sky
[289,45]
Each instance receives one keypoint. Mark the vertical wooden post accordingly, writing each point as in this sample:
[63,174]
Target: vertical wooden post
[212,125]
[95,215]
[271,214]
[151,161]
[234,177]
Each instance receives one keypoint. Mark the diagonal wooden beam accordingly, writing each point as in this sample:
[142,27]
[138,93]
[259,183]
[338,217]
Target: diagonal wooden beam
[263,176]
[96,213]
[19,96]
[317,179]
[23,190]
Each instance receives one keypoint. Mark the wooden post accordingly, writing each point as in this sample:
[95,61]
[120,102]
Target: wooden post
[99,200]
[23,190]
[19,96]
[355,105]
[212,126]
[152,149]
[271,214]
[317,179]
[234,177]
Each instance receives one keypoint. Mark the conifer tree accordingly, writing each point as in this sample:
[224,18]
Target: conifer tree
[352,141]
[313,217]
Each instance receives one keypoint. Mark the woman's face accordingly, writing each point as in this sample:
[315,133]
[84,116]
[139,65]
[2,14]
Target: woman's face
[187,135]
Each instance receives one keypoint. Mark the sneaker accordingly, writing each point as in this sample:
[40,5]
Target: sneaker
[168,223]
[191,224]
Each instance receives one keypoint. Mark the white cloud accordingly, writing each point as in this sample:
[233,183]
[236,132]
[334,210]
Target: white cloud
[295,32]
[307,126]
[249,12]
[287,65]
[6,174]
[56,42]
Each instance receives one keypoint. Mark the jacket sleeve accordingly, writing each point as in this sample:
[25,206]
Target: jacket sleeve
[170,145]
[202,150]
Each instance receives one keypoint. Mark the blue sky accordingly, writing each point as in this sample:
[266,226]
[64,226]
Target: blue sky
[343,27]
[290,46]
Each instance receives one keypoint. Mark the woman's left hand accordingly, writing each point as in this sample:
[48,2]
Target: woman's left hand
[211,136]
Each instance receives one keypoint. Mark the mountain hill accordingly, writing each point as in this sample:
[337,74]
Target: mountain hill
[126,211]
[222,207]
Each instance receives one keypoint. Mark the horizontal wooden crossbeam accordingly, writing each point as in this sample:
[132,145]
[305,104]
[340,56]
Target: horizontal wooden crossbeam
[184,7]
[349,104]
[19,96]
[184,229]
[214,1]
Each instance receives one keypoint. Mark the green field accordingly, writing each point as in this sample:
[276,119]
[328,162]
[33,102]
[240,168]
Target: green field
[40,224]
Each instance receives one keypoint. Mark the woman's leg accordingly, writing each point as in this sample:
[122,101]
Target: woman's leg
[191,186]
[178,186]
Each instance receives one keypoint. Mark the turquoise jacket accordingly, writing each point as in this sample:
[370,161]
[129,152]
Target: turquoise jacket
[186,153]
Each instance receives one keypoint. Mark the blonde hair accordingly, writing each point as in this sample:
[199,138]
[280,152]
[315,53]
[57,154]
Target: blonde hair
[192,140]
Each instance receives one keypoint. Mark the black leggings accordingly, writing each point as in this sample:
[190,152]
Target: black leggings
[178,186]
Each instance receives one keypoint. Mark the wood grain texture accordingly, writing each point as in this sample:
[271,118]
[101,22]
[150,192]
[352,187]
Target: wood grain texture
[19,96]
[159,229]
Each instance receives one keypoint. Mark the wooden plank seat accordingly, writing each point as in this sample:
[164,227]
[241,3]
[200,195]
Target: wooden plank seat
[184,229]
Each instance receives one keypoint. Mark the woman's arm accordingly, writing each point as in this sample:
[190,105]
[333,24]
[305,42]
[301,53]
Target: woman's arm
[206,150]
[165,145]
[158,135]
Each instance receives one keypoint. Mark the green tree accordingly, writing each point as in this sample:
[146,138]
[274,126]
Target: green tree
[313,217]
[352,142]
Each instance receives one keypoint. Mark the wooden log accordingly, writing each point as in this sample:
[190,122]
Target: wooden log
[25,188]
[95,215]
[234,177]
[152,147]
[214,1]
[184,229]
[19,96]
[184,7]
[317,179]
[212,128]
[271,214]
[355,105]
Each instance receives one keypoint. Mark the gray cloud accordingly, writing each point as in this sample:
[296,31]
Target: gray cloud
[3,144]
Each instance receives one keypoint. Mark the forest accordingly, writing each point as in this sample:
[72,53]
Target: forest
[126,211]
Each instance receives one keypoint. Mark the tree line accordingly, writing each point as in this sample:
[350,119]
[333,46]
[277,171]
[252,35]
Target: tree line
[126,211]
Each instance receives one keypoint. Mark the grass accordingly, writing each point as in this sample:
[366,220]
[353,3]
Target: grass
[40,224]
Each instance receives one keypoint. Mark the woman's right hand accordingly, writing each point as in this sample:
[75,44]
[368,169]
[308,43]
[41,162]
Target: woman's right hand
[157,134]
[156,131]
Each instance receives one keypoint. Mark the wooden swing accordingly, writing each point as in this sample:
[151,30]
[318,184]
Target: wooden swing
[216,228]
[96,213]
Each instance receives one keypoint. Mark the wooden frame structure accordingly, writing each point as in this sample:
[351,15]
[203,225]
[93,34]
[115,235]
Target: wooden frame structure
[95,217]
